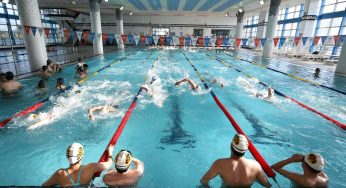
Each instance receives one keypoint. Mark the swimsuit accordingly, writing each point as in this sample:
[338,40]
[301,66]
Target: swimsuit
[78,180]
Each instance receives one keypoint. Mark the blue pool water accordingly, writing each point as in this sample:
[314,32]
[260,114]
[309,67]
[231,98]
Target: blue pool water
[177,133]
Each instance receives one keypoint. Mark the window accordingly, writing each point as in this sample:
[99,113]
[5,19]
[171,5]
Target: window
[289,24]
[250,25]
[160,31]
[220,32]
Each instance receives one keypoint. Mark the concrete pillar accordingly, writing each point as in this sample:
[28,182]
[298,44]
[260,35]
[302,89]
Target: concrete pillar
[271,26]
[120,25]
[239,28]
[341,66]
[29,15]
[306,26]
[95,18]
[261,24]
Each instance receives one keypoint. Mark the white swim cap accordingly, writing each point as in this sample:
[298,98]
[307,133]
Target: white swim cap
[75,153]
[315,161]
[240,143]
[123,161]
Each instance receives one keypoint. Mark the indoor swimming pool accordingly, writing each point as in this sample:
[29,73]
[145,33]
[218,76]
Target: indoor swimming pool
[176,132]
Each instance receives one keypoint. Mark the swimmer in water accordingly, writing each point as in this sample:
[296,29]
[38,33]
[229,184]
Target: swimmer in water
[270,94]
[60,84]
[317,73]
[41,87]
[147,88]
[102,109]
[189,81]
[43,119]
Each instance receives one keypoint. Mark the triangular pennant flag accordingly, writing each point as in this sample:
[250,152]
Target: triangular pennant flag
[231,41]
[276,40]
[181,40]
[155,39]
[150,39]
[53,30]
[200,41]
[323,39]
[282,41]
[237,42]
[124,38]
[263,42]
[175,40]
[212,41]
[162,40]
[225,41]
[72,35]
[168,40]
[187,40]
[26,29]
[219,41]
[40,30]
[66,34]
[136,39]
[46,31]
[296,40]
[79,35]
[91,36]
[85,35]
[111,38]
[316,40]
[244,41]
[143,39]
[257,42]
[104,37]
[193,41]
[118,39]
[304,39]
[336,38]
[33,29]
[206,41]
[130,38]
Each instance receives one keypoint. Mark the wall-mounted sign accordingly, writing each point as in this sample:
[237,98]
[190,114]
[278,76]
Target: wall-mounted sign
[309,17]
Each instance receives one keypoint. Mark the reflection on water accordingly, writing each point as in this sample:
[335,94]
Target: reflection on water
[262,134]
[177,135]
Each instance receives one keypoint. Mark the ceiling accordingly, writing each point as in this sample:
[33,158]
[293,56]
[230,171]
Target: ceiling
[167,7]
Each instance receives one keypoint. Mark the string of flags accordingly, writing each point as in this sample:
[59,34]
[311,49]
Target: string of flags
[188,40]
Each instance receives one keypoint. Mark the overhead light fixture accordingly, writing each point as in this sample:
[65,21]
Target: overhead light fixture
[227,14]
[121,8]
[261,2]
[106,1]
[240,10]
[5,1]
[74,2]
[131,13]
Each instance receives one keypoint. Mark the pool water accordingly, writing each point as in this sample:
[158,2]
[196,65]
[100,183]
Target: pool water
[177,133]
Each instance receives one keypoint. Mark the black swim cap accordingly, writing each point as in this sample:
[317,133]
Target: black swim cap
[49,61]
[9,75]
[41,84]
[85,65]
[44,67]
[60,80]
[80,70]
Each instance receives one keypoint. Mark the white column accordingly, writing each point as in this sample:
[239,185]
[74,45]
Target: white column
[310,8]
[271,27]
[261,24]
[29,15]
[341,66]
[120,26]
[239,28]
[95,18]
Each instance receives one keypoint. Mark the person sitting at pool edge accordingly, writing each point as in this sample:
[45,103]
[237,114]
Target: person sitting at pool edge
[189,81]
[9,85]
[45,74]
[122,175]
[60,84]
[312,165]
[317,72]
[77,174]
[103,109]
[236,171]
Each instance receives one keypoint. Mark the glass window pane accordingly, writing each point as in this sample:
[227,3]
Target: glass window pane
[329,8]
[340,6]
[2,20]
[325,23]
[322,32]
[294,25]
[291,9]
[10,11]
[13,22]
[336,22]
[290,15]
[14,6]
[1,10]
[288,26]
[296,14]
[3,28]
[334,31]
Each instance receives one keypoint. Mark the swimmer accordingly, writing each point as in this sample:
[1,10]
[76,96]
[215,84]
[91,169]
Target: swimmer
[188,80]
[312,165]
[317,73]
[60,84]
[123,175]
[217,81]
[41,87]
[45,74]
[43,119]
[9,85]
[270,94]
[86,68]
[102,110]
[81,73]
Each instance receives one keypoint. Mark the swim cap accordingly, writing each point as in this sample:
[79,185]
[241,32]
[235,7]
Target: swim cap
[152,79]
[123,161]
[60,80]
[240,143]
[75,153]
[33,116]
[315,161]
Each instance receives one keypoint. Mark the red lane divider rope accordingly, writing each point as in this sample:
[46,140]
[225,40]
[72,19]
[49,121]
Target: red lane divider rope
[265,166]
[121,126]
[339,124]
[39,104]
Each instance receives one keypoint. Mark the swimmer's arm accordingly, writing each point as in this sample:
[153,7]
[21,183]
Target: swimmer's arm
[39,124]
[293,159]
[296,178]
[210,174]
[139,165]
[193,85]
[98,167]
[93,109]
[261,178]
